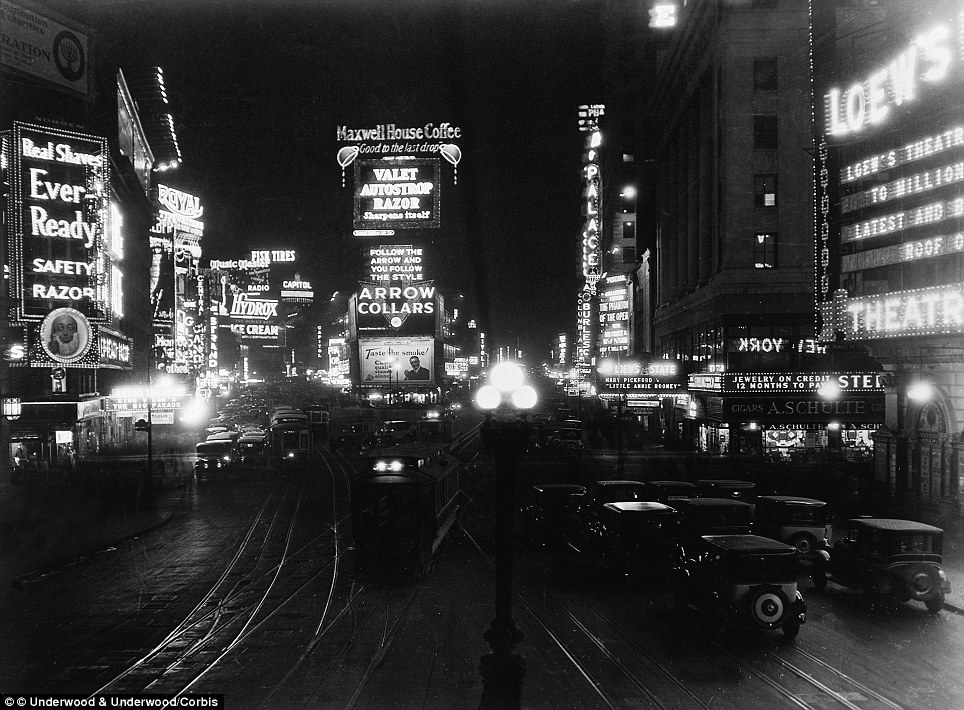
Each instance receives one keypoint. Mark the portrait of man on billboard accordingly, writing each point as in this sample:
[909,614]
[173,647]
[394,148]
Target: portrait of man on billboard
[417,372]
[65,334]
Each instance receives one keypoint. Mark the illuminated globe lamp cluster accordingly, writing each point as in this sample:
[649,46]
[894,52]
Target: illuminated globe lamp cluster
[506,387]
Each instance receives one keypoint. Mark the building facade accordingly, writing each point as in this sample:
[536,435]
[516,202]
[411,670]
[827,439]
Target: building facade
[890,258]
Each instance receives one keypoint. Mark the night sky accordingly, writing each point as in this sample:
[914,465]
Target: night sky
[259,88]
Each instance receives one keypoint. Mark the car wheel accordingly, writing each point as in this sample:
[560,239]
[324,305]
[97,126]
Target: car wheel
[935,604]
[804,543]
[921,584]
[769,607]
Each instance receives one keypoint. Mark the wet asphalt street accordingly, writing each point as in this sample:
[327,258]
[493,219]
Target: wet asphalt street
[249,589]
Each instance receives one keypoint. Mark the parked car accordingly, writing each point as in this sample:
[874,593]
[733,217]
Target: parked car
[602,492]
[727,488]
[669,492]
[564,438]
[798,521]
[892,558]
[741,578]
[712,516]
[551,520]
[632,539]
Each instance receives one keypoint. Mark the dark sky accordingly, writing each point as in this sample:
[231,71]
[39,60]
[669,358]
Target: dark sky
[261,86]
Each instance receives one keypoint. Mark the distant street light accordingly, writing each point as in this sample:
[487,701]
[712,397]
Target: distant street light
[504,434]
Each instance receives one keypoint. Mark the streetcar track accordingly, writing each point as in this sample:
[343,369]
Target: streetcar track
[241,587]
[580,667]
[234,643]
[843,676]
[379,655]
[677,682]
[186,624]
[787,694]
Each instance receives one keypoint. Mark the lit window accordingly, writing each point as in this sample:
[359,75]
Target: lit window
[765,250]
[765,190]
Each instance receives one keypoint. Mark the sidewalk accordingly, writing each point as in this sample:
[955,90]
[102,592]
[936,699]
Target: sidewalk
[44,526]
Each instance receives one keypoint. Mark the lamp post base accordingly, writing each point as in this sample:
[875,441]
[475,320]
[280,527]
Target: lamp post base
[502,671]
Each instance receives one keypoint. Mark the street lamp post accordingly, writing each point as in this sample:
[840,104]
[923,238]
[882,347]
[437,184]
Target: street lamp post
[505,434]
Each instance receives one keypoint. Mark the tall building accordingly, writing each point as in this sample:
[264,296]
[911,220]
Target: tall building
[731,118]
[888,80]
[76,173]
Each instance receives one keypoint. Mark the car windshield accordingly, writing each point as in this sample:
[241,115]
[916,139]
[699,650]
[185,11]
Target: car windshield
[893,543]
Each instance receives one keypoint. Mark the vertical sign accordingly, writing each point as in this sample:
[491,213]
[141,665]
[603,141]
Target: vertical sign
[59,251]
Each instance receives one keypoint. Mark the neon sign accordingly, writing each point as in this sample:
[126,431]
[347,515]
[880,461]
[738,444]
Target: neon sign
[927,60]
[925,311]
[390,132]
[905,186]
[905,219]
[909,153]
[799,381]
[61,223]
[181,216]
[938,245]
[243,306]
[395,262]
[397,192]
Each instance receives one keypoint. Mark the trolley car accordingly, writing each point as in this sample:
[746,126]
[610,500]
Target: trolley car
[440,430]
[403,507]
[289,443]
[319,418]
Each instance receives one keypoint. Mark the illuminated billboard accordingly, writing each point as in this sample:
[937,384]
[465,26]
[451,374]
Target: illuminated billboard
[397,193]
[615,315]
[409,308]
[395,262]
[59,251]
[891,182]
[39,45]
[638,377]
[405,362]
